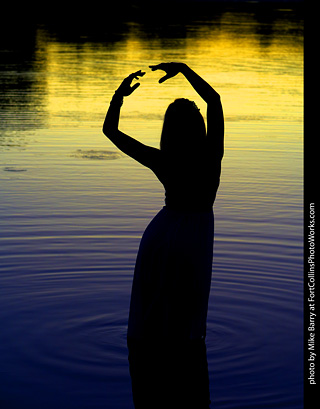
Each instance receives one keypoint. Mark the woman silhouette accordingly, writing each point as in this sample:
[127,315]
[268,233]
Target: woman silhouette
[171,283]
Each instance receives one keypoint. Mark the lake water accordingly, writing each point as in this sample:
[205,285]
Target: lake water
[73,208]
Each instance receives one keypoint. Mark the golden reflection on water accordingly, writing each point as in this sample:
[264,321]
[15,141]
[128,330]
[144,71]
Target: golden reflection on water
[260,83]
[256,66]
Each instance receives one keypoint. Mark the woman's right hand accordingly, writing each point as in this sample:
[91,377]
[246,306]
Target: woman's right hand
[125,89]
[171,69]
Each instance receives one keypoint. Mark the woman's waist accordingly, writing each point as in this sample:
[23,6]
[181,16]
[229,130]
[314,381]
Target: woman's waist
[188,203]
[188,207]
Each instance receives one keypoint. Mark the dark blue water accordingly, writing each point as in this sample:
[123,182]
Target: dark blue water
[73,210]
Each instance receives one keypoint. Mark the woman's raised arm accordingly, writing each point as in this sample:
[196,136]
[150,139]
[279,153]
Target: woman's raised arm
[215,120]
[142,153]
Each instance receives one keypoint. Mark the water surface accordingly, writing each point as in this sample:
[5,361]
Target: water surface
[73,208]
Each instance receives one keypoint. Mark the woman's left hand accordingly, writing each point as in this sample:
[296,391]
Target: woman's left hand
[125,88]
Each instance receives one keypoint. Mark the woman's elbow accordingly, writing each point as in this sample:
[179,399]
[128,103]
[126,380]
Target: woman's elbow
[108,130]
[214,99]
[105,130]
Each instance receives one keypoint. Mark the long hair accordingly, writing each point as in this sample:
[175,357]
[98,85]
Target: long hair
[183,127]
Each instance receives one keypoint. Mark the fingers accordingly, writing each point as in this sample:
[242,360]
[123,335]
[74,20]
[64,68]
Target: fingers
[161,66]
[126,87]
[140,73]
[130,90]
[154,67]
[135,86]
[169,68]
[164,78]
[136,75]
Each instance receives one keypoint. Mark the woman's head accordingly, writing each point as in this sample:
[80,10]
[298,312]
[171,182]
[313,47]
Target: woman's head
[183,126]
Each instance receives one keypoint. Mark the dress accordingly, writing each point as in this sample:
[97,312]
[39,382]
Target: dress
[172,276]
